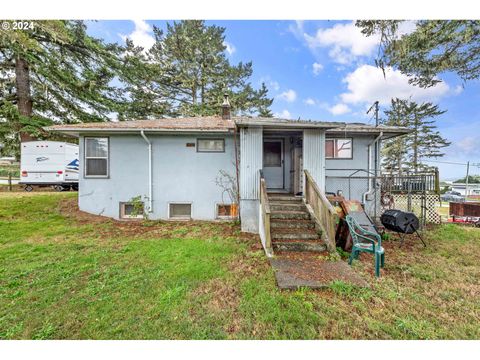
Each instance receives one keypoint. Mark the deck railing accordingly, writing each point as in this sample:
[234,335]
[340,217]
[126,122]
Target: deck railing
[325,214]
[265,213]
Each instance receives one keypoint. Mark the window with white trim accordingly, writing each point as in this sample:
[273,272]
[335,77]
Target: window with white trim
[131,211]
[210,145]
[96,157]
[225,211]
[180,211]
[338,148]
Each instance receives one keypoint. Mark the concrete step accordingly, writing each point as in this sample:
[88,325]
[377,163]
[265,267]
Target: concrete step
[287,207]
[290,215]
[289,198]
[299,245]
[294,234]
[289,224]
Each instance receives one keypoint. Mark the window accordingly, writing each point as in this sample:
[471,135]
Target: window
[226,211]
[180,211]
[338,148]
[96,157]
[128,211]
[272,153]
[210,145]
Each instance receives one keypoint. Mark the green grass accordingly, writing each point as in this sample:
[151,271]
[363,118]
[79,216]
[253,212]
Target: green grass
[66,275]
[14,170]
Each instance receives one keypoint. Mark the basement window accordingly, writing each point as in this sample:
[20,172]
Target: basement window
[129,211]
[180,211]
[210,145]
[338,148]
[225,211]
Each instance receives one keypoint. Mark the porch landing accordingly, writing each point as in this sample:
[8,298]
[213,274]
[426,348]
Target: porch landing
[293,271]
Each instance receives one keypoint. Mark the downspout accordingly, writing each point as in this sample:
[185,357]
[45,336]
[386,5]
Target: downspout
[150,207]
[369,191]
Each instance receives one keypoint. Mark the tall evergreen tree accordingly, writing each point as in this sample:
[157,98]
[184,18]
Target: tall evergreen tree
[433,47]
[188,70]
[54,72]
[424,142]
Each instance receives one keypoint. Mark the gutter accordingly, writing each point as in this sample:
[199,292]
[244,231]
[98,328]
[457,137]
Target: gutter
[370,187]
[150,207]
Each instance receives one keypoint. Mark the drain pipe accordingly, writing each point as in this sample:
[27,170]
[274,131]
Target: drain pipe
[150,207]
[364,196]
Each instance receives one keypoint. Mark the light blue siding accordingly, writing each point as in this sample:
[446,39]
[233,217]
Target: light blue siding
[180,174]
[314,155]
[251,160]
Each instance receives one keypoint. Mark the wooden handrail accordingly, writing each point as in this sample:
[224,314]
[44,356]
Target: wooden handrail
[323,211]
[265,209]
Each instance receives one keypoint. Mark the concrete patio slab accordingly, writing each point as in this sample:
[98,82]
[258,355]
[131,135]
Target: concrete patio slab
[296,271]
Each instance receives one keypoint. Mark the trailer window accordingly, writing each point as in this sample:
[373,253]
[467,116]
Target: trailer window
[96,157]
[338,148]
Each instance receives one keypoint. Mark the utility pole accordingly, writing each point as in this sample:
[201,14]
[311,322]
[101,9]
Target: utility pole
[466,181]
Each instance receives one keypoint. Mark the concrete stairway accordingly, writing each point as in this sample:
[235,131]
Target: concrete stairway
[291,227]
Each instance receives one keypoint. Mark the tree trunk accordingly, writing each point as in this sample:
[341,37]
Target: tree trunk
[22,82]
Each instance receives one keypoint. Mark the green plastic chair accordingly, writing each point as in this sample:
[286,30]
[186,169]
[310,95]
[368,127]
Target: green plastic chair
[365,241]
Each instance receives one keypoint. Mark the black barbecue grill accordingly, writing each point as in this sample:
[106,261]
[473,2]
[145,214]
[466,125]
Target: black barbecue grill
[401,222]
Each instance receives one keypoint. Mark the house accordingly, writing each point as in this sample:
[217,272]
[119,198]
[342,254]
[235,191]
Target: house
[173,165]
[473,188]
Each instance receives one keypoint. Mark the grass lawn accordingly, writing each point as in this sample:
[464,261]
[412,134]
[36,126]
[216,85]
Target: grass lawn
[68,275]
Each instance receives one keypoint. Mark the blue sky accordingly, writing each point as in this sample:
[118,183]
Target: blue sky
[324,70]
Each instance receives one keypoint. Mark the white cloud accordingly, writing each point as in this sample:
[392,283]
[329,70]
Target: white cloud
[141,35]
[367,84]
[317,68]
[346,42]
[468,144]
[284,114]
[288,95]
[339,109]
[458,90]
[309,101]
[229,47]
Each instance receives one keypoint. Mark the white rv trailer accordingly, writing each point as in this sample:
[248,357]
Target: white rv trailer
[49,163]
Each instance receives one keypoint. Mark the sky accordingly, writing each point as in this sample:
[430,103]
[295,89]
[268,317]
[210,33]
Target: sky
[325,71]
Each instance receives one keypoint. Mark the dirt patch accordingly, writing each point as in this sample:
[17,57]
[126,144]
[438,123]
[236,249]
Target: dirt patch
[110,228]
[294,271]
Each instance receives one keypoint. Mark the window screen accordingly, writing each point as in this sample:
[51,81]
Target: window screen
[338,148]
[210,145]
[272,153]
[181,211]
[96,157]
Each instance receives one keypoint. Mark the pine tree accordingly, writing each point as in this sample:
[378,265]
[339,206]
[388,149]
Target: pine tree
[54,73]
[394,151]
[424,142]
[188,70]
[433,47]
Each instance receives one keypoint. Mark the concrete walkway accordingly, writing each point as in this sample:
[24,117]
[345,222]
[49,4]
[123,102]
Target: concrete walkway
[312,271]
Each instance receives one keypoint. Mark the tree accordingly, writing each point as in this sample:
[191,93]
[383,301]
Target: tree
[188,69]
[472,179]
[424,142]
[435,46]
[54,72]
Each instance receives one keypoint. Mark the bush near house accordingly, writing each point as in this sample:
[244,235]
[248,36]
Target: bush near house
[65,274]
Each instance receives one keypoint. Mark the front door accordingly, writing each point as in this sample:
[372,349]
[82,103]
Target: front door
[273,163]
